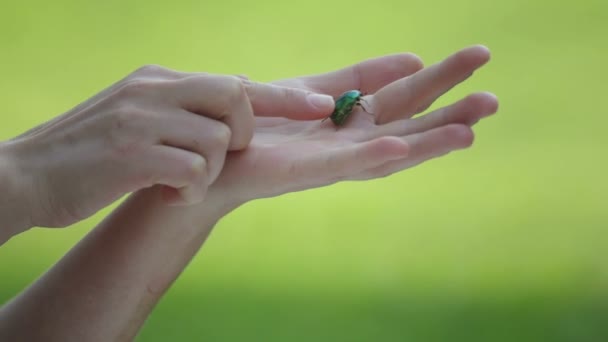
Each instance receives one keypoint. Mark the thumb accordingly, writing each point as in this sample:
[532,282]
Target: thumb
[293,103]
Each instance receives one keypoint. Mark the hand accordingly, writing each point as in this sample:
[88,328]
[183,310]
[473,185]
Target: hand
[287,155]
[155,127]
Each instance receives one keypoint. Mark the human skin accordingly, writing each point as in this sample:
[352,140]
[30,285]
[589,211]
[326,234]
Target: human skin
[105,288]
[154,127]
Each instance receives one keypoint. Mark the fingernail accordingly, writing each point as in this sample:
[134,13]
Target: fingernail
[321,101]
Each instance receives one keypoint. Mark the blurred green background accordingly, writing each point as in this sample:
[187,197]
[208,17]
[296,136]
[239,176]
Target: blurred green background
[506,241]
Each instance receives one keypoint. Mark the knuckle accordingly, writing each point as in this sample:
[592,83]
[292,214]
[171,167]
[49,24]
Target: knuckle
[452,131]
[148,70]
[462,135]
[236,88]
[289,94]
[158,72]
[441,116]
[136,87]
[127,117]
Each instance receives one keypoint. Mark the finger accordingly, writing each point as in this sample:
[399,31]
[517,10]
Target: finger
[207,137]
[293,103]
[424,146]
[218,97]
[467,111]
[367,76]
[234,100]
[266,99]
[413,94]
[183,171]
[336,164]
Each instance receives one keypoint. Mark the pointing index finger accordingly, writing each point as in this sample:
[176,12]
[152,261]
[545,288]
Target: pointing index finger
[293,103]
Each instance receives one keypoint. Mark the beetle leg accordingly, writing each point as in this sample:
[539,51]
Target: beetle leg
[360,104]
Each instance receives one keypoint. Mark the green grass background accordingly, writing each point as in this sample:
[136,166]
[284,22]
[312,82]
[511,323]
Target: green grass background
[506,241]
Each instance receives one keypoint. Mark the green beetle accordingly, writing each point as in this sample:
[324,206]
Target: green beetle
[344,106]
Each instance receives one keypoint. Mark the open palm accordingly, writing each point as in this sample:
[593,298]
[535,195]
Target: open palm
[290,155]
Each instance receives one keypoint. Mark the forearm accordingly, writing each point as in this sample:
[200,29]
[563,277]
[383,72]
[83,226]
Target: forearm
[105,288]
[14,217]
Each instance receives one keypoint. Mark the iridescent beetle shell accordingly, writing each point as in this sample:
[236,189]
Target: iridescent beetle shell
[344,106]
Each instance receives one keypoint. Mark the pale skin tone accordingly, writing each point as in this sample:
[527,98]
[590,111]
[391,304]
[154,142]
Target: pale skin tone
[155,127]
[108,284]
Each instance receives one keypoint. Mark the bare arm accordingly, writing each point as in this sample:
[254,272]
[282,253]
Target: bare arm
[154,127]
[14,218]
[104,289]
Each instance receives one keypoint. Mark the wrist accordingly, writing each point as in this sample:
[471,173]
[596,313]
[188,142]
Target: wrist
[192,219]
[14,207]
[221,202]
